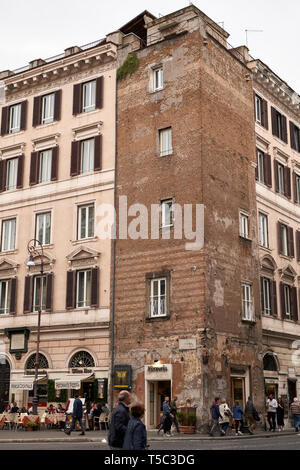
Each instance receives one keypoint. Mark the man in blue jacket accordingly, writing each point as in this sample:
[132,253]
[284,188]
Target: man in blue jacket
[77,414]
[215,414]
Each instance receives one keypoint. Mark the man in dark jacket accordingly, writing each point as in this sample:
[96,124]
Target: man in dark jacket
[215,414]
[77,414]
[119,421]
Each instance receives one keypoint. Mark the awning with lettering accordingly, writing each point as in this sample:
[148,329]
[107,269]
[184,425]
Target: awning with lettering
[24,383]
[71,382]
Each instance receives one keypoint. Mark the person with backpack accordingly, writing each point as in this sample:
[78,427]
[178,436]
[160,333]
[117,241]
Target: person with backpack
[238,418]
[136,435]
[215,414]
[225,413]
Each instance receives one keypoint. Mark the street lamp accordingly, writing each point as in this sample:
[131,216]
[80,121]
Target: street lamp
[35,248]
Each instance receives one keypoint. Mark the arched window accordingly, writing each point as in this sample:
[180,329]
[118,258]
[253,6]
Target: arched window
[43,363]
[82,359]
[270,363]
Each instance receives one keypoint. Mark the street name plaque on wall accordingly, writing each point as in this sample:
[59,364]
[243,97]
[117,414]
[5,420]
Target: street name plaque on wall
[187,343]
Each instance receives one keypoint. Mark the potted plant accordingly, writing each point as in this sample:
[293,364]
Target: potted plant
[187,420]
[31,426]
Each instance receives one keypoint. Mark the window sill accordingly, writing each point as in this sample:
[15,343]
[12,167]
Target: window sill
[265,248]
[157,319]
[13,134]
[250,322]
[286,257]
[88,113]
[9,252]
[84,240]
[166,155]
[283,196]
[48,124]
[261,126]
[245,239]
[152,92]
[279,139]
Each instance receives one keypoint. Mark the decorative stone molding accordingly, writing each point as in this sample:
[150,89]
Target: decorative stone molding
[82,257]
[8,267]
[288,273]
[88,130]
[48,262]
[43,143]
[268,265]
[12,151]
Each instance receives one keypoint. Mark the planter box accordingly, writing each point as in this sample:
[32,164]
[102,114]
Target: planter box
[187,429]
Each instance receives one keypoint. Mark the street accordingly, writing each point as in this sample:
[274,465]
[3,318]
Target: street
[291,443]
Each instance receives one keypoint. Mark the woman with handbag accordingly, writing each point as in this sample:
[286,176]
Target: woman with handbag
[225,413]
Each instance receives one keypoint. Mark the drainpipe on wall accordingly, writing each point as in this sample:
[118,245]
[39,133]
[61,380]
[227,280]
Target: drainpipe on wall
[114,258]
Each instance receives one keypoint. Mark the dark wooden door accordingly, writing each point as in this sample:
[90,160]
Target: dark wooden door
[4,383]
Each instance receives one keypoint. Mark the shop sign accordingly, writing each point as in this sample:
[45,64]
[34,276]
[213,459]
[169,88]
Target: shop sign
[122,377]
[21,385]
[81,371]
[101,383]
[67,384]
[158,372]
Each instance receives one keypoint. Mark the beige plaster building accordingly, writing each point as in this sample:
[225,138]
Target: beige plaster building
[277,116]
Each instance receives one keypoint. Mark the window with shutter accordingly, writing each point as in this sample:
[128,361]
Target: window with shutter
[5,293]
[298,244]
[265,119]
[291,251]
[5,120]
[77,92]
[274,299]
[34,168]
[57,105]
[37,111]
[23,115]
[54,164]
[13,296]
[99,92]
[267,170]
[294,304]
[28,294]
[20,172]
[282,301]
[75,158]
[49,292]
[15,118]
[95,287]
[287,182]
[98,153]
[70,291]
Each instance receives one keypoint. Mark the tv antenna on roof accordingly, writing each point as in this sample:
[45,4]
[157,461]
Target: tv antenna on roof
[252,31]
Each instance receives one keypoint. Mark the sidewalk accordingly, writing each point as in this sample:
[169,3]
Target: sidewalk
[54,435]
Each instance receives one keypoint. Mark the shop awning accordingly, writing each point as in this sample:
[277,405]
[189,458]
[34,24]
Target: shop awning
[24,383]
[72,381]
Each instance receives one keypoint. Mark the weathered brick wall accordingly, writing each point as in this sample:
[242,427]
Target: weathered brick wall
[208,103]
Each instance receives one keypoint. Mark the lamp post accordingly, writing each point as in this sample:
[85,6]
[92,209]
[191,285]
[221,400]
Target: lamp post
[35,248]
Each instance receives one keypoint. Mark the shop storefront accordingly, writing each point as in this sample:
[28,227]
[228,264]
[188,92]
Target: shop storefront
[158,384]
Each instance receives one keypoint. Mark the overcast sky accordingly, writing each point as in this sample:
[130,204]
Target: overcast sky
[31,29]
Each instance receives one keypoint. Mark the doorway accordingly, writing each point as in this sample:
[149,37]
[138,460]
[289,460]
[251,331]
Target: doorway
[292,390]
[4,383]
[238,391]
[158,390]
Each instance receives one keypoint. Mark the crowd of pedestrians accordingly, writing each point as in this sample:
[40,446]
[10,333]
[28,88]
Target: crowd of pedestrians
[223,417]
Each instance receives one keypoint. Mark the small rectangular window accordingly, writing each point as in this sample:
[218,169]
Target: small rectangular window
[15,118]
[45,166]
[89,96]
[284,240]
[87,156]
[43,228]
[258,109]
[39,293]
[48,108]
[158,79]
[280,169]
[8,235]
[4,296]
[167,213]
[165,141]
[83,289]
[287,301]
[297,180]
[244,225]
[248,313]
[12,173]
[158,298]
[260,166]
[267,296]
[85,221]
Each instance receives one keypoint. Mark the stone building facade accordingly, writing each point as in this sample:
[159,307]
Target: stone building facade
[187,317]
[277,124]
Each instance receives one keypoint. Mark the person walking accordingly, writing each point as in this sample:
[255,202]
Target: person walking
[77,415]
[119,421]
[215,414]
[173,411]
[250,412]
[136,435]
[295,411]
[280,414]
[166,420]
[225,413]
[238,418]
[272,406]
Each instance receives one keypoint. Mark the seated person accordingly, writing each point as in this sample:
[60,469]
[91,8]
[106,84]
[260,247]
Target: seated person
[14,408]
[51,409]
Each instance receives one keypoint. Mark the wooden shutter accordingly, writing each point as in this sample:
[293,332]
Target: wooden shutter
[95,288]
[37,111]
[284,129]
[283,312]
[49,292]
[295,186]
[256,168]
[20,172]
[273,299]
[276,176]
[279,236]
[262,294]
[5,120]
[23,115]
[2,175]
[34,166]
[54,163]
[287,182]
[75,157]
[70,292]
[294,304]
[291,251]
[77,93]
[254,103]
[292,136]
[264,111]
[57,105]
[99,92]
[13,296]
[28,294]
[298,244]
[267,170]
[274,121]
[98,153]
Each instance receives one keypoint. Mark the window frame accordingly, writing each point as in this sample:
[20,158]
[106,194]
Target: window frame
[15,173]
[258,99]
[85,288]
[158,296]
[47,107]
[158,78]
[37,216]
[267,297]
[281,182]
[7,296]
[91,158]
[263,229]
[4,221]
[168,131]
[92,94]
[287,301]
[14,130]
[35,308]
[170,203]
[285,240]
[297,184]
[247,313]
[260,166]
[79,218]
[244,216]
[48,165]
